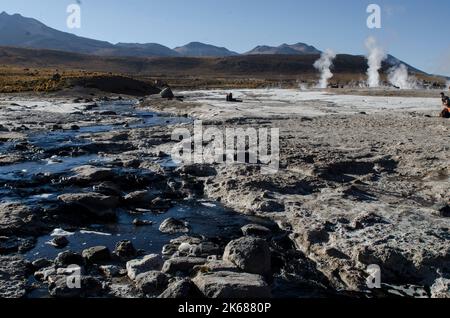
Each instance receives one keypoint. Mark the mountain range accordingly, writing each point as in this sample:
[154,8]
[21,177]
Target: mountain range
[23,32]
[19,31]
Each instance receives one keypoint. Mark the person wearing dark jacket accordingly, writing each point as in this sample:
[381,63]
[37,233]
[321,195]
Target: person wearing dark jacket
[445,113]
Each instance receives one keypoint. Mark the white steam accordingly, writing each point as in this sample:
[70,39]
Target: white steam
[375,58]
[399,77]
[324,65]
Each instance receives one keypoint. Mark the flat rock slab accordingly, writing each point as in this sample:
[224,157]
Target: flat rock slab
[148,263]
[232,285]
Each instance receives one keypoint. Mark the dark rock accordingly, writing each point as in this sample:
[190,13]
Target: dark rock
[167,93]
[256,230]
[198,170]
[137,222]
[108,113]
[152,282]
[41,263]
[232,285]
[108,188]
[182,289]
[60,242]
[96,204]
[161,204]
[125,250]
[16,218]
[97,254]
[89,174]
[139,198]
[250,254]
[111,270]
[89,287]
[172,226]
[68,258]
[444,211]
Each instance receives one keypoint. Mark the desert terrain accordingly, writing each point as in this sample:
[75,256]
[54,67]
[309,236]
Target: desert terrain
[87,179]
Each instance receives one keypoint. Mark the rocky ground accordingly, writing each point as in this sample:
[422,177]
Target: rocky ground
[354,188]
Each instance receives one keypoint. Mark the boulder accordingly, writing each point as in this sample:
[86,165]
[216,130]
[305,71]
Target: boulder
[96,204]
[89,287]
[167,93]
[60,242]
[252,255]
[110,270]
[139,198]
[125,249]
[232,285]
[172,226]
[146,264]
[182,264]
[41,263]
[96,254]
[182,289]
[152,282]
[256,230]
[69,258]
[15,218]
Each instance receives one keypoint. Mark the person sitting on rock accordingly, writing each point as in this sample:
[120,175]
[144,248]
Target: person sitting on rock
[445,113]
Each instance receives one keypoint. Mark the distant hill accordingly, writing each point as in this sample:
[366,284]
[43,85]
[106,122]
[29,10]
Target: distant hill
[137,49]
[16,30]
[241,65]
[203,50]
[285,49]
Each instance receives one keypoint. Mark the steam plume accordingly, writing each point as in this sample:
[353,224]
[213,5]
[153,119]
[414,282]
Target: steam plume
[375,58]
[324,65]
[399,77]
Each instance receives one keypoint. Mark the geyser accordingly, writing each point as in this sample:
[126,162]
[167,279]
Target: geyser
[399,77]
[375,58]
[324,65]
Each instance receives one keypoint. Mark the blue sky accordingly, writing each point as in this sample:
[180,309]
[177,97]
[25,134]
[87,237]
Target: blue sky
[416,31]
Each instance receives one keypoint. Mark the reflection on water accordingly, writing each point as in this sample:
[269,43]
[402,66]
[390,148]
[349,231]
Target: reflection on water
[209,219]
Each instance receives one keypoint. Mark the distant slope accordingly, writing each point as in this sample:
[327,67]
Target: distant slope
[233,65]
[137,49]
[285,49]
[16,30]
[393,61]
[197,49]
